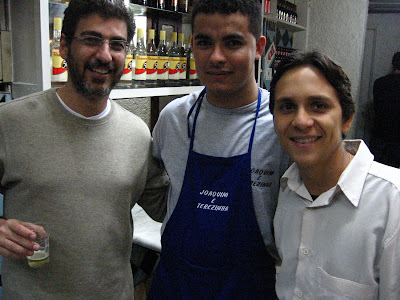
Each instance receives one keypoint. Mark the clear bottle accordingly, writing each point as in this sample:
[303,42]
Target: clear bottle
[187,54]
[162,63]
[193,79]
[174,5]
[127,76]
[183,6]
[58,64]
[161,4]
[174,61]
[140,59]
[183,66]
[152,60]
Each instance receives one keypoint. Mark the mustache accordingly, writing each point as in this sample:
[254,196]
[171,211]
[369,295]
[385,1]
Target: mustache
[99,64]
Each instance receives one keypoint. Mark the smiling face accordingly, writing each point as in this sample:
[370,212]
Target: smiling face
[94,71]
[308,118]
[225,51]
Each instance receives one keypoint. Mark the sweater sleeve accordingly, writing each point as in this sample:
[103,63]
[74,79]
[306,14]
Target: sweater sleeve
[2,157]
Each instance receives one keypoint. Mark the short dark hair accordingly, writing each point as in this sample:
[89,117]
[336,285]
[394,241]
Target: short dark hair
[396,61]
[78,9]
[250,8]
[333,73]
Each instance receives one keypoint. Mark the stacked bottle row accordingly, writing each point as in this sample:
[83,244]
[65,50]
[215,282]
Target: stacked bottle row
[183,6]
[281,52]
[287,11]
[165,65]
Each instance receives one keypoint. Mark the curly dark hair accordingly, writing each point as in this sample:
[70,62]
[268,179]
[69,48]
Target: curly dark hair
[250,8]
[333,73]
[78,9]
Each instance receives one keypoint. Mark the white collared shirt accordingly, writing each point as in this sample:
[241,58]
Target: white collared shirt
[345,243]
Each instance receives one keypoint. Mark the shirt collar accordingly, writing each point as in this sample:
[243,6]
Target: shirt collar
[351,181]
[96,117]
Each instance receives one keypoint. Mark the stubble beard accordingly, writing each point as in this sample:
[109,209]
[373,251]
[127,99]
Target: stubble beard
[83,87]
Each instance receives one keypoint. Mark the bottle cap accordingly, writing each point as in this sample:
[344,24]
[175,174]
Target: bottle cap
[151,34]
[57,23]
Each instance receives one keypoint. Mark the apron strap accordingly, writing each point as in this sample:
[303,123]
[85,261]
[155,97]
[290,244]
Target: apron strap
[255,121]
[199,101]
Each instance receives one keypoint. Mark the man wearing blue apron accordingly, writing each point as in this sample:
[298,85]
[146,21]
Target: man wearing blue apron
[221,153]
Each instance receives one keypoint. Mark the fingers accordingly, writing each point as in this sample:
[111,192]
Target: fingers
[16,239]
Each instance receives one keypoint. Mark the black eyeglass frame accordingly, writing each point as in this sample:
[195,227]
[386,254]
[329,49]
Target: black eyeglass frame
[96,42]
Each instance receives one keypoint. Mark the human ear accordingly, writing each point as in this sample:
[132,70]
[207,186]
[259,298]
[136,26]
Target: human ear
[260,45]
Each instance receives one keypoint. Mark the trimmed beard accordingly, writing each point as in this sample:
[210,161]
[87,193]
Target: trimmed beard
[81,84]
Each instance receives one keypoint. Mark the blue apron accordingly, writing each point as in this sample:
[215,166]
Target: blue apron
[212,246]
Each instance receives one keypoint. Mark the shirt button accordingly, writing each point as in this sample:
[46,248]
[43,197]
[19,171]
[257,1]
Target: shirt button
[299,294]
[306,252]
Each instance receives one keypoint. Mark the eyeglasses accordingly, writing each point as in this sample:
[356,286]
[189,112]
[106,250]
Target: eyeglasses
[96,42]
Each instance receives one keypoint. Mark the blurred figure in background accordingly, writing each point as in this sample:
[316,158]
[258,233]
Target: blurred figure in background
[385,139]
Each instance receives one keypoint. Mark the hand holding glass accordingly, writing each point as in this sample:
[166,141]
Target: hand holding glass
[41,256]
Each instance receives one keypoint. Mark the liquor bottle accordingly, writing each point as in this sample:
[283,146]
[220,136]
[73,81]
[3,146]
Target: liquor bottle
[267,6]
[183,6]
[188,52]
[174,62]
[140,59]
[127,76]
[174,5]
[58,64]
[161,4]
[193,80]
[183,61]
[152,58]
[162,63]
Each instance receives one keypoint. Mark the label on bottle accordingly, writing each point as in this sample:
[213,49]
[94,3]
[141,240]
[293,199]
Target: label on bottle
[127,75]
[182,71]
[140,67]
[174,68]
[59,67]
[193,72]
[152,63]
[162,67]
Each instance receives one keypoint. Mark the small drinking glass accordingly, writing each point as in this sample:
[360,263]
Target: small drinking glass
[41,256]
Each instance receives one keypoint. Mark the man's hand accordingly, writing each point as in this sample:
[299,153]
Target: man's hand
[16,239]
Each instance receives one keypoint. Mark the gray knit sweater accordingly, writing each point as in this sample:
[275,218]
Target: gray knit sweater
[82,177]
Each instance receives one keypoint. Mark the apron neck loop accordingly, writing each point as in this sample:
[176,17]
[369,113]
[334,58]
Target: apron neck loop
[199,100]
[198,104]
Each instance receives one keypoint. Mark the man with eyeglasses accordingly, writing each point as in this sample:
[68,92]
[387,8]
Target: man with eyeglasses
[74,159]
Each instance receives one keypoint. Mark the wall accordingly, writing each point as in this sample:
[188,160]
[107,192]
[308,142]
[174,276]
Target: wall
[337,28]
[382,40]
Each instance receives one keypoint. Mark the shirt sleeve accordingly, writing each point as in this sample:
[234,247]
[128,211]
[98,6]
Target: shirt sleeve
[389,286]
[154,197]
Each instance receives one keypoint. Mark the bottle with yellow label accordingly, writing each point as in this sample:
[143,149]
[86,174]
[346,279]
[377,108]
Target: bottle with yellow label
[140,60]
[174,62]
[58,64]
[162,63]
[127,76]
[183,66]
[152,60]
